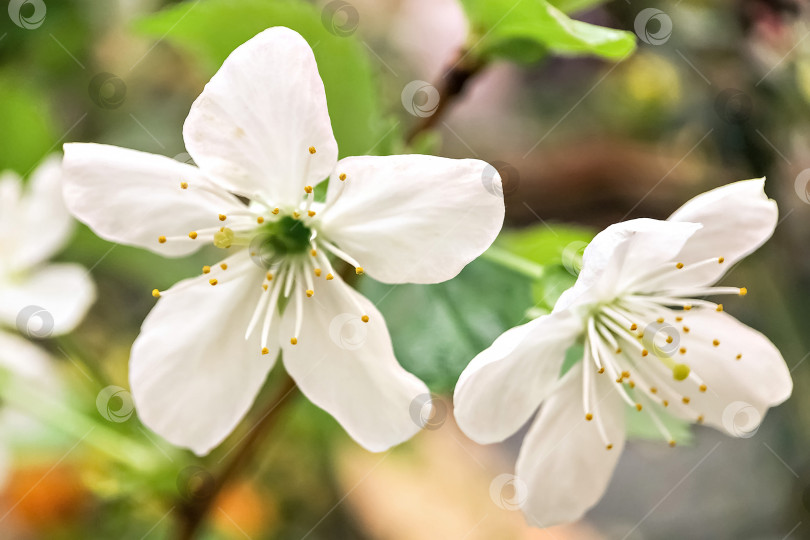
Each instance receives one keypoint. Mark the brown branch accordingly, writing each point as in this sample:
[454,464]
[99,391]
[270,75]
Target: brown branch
[193,513]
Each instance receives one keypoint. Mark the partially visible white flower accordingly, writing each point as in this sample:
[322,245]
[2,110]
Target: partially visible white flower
[652,345]
[261,137]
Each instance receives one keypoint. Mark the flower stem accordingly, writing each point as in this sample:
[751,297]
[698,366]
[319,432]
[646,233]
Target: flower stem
[193,513]
[514,262]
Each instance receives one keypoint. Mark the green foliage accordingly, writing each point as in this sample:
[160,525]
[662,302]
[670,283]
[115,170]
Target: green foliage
[642,426]
[573,6]
[528,30]
[28,127]
[211,29]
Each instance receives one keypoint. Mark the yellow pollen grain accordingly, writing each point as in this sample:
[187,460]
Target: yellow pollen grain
[686,329]
[310,292]
[645,352]
[364,318]
[329,277]
[156,293]
[260,220]
[687,307]
[265,350]
[601,370]
[660,320]
[702,387]
[678,319]
[589,417]
[223,217]
[638,406]
[631,384]
[619,350]
[314,252]
[358,270]
[192,235]
[719,307]
[640,335]
[269,276]
[183,185]
[308,189]
[293,341]
[212,281]
[743,291]
[720,260]
[672,444]
[224,266]
[311,213]
[162,239]
[625,374]
[609,447]
[206,269]
[311,149]
[679,266]
[264,286]
[685,400]
[633,326]
[342,176]
[318,272]
[653,390]
[715,343]
[665,403]
[682,350]
[739,356]
[276,211]
[619,380]
[700,419]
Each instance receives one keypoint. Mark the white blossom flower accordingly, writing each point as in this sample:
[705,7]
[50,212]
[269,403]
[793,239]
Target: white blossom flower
[652,345]
[260,132]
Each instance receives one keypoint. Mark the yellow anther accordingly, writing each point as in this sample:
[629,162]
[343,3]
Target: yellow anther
[721,260]
[679,266]
[619,380]
[653,390]
[672,444]
[640,335]
[183,185]
[275,211]
[358,270]
[634,327]
[665,403]
[743,291]
[739,356]
[669,339]
[212,281]
[685,400]
[715,343]
[719,307]
[687,307]
[310,292]
[296,214]
[609,447]
[644,352]
[308,189]
[156,293]
[700,419]
[311,149]
[223,217]
[601,370]
[269,276]
[660,320]
[682,350]
[678,319]
[314,252]
[618,350]
[686,329]
[589,417]
[318,272]
[192,235]
[680,372]
[329,277]
[342,176]
[702,387]
[364,318]
[293,341]
[224,266]
[162,239]
[260,220]
[206,269]
[265,350]
[311,213]
[631,384]
[264,286]
[625,374]
[638,406]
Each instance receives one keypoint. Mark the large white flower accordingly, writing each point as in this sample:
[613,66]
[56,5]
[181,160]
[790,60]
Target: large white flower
[260,132]
[652,345]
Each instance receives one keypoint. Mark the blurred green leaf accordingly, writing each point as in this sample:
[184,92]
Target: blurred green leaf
[642,426]
[573,6]
[526,31]
[211,29]
[28,130]
[438,329]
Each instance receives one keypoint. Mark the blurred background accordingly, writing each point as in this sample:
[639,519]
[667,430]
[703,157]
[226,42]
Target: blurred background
[716,91]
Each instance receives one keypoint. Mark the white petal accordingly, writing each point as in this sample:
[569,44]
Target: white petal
[413,218]
[51,301]
[193,374]
[347,367]
[253,125]
[563,462]
[134,198]
[23,358]
[502,387]
[739,392]
[38,216]
[737,219]
[625,252]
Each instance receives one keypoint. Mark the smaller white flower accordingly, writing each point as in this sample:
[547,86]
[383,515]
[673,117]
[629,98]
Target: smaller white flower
[262,141]
[652,345]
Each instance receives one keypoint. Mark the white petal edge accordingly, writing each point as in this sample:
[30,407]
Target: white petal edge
[347,367]
[563,465]
[503,386]
[413,218]
[253,124]
[192,373]
[133,198]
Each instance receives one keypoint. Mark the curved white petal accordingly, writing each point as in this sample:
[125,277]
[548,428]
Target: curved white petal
[347,367]
[563,462]
[134,197]
[24,359]
[192,373]
[51,301]
[624,253]
[413,218]
[737,219]
[253,125]
[502,387]
[37,215]
[739,391]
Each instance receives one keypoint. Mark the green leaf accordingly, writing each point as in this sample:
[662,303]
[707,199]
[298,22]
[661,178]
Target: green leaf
[544,244]
[211,29]
[573,6]
[640,425]
[438,329]
[28,132]
[526,31]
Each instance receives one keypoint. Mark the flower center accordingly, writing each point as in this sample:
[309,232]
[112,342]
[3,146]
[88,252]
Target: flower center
[280,239]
